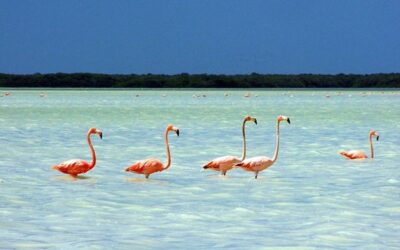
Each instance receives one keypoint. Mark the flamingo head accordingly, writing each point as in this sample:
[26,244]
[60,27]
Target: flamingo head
[249,118]
[96,131]
[374,133]
[172,128]
[283,118]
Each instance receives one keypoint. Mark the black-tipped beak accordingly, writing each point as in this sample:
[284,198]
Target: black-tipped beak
[177,132]
[288,120]
[377,138]
[101,135]
[255,121]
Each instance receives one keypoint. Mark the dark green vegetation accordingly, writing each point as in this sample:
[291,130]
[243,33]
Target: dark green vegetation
[88,80]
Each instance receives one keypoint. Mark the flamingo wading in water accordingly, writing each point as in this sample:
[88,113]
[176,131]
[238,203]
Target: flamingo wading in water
[76,166]
[260,163]
[226,163]
[358,154]
[150,166]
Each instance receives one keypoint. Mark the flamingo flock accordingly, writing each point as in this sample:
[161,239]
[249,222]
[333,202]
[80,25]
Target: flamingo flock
[222,164]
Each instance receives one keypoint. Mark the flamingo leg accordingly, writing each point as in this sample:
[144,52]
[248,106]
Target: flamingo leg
[255,177]
[223,172]
[147,176]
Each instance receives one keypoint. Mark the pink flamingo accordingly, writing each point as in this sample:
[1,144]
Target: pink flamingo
[358,154]
[150,166]
[260,163]
[76,166]
[226,163]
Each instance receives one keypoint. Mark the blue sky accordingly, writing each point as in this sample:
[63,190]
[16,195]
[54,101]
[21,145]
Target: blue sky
[200,36]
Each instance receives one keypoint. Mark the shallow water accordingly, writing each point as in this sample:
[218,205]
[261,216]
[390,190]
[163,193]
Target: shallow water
[311,198]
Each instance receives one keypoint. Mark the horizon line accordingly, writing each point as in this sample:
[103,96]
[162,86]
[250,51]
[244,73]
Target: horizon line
[186,73]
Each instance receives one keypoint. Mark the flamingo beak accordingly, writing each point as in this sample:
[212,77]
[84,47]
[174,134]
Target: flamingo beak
[288,120]
[101,135]
[177,132]
[255,121]
[377,138]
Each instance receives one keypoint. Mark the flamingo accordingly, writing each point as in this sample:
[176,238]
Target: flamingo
[358,154]
[150,166]
[76,166]
[260,163]
[226,163]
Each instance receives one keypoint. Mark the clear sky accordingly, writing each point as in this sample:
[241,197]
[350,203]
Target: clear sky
[200,36]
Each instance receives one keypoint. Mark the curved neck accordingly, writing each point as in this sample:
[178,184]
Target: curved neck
[244,140]
[93,163]
[276,143]
[168,153]
[371,146]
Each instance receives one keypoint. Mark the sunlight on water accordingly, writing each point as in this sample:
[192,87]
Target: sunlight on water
[311,197]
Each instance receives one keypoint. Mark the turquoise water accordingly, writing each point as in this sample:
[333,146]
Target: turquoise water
[311,198]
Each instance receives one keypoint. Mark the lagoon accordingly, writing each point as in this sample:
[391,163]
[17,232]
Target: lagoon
[311,198]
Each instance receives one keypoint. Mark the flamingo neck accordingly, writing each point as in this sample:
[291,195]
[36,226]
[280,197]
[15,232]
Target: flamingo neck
[168,152]
[244,140]
[276,143]
[371,146]
[93,163]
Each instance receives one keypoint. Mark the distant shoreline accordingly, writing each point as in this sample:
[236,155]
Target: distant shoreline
[200,81]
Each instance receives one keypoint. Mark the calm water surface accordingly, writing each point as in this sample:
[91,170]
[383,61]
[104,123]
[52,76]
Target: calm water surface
[311,198]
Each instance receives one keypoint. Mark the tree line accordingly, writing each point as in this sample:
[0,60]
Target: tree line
[184,80]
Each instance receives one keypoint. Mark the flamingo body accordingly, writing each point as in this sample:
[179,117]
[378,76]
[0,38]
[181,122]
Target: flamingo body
[354,154]
[73,167]
[256,164]
[223,163]
[146,167]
